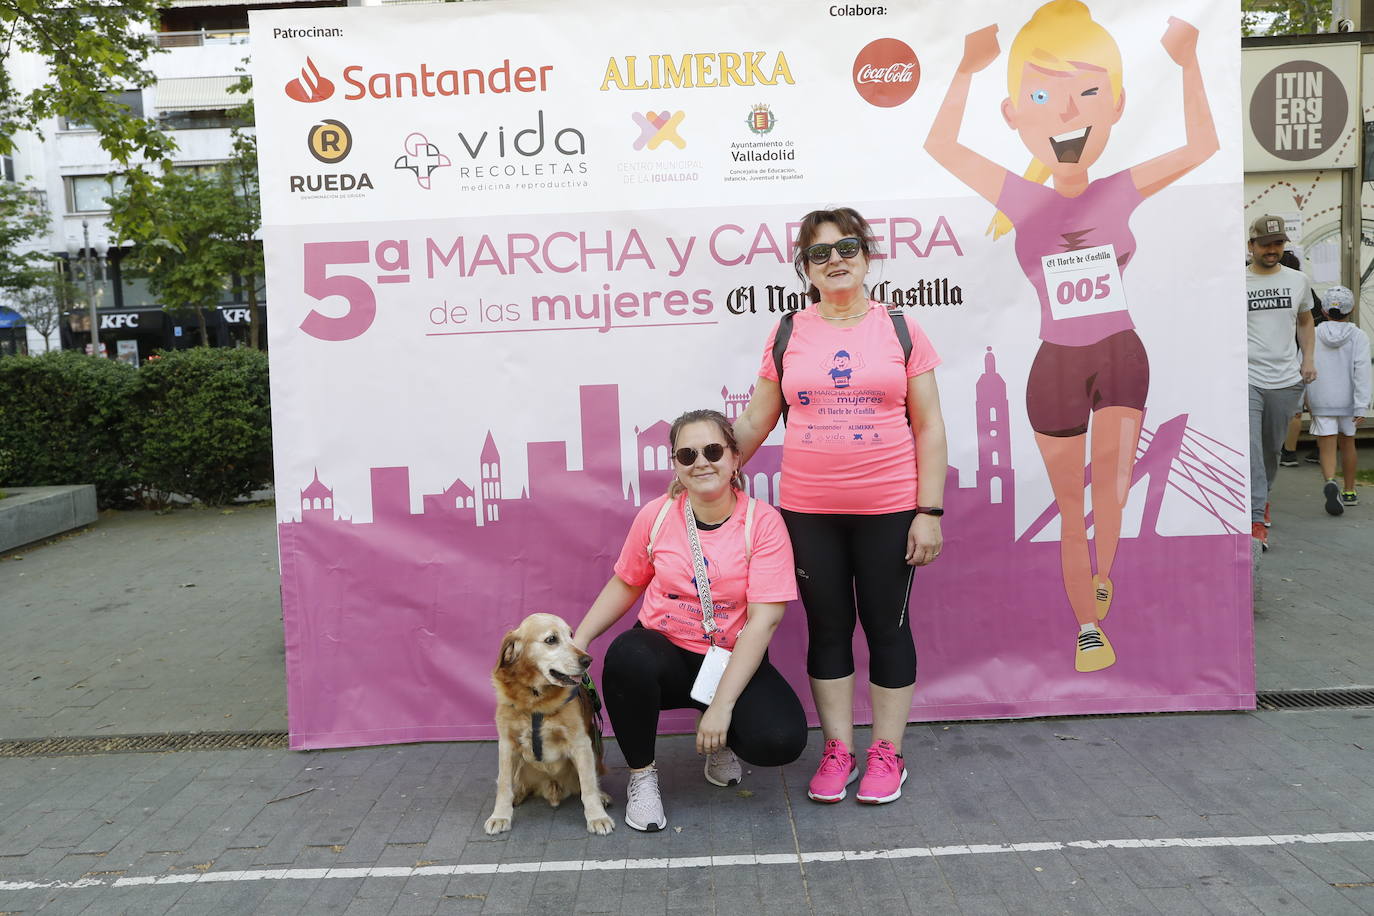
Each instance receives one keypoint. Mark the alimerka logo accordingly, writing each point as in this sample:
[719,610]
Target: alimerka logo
[310,86]
[886,72]
[697,71]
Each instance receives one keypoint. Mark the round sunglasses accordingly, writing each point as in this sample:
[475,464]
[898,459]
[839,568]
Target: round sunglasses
[820,252]
[688,456]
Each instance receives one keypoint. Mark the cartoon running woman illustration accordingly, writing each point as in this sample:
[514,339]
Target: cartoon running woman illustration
[1091,373]
[840,370]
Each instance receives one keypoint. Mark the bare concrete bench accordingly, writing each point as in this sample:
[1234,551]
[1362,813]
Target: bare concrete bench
[29,514]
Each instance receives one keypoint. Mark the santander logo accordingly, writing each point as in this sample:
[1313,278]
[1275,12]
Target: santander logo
[886,72]
[311,86]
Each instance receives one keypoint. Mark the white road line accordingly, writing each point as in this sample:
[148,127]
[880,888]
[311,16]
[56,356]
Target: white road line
[839,855]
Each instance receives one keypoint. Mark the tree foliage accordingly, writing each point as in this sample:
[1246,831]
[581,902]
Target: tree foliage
[194,235]
[93,50]
[43,303]
[23,220]
[1284,17]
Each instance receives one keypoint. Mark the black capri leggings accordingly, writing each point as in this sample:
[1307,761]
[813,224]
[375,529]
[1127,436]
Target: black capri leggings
[646,673]
[848,564]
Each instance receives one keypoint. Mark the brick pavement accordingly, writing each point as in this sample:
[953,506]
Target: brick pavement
[150,623]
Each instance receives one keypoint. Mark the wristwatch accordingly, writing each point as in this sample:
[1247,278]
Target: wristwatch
[930,510]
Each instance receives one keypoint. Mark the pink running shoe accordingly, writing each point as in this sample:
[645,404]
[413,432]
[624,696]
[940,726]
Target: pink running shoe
[884,775]
[838,769]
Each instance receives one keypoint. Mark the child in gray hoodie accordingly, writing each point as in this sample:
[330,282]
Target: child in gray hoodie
[1339,397]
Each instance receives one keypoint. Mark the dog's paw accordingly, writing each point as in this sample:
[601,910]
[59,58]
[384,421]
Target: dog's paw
[600,825]
[497,825]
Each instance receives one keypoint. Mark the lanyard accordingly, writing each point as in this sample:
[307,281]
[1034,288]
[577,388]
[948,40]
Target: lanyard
[708,609]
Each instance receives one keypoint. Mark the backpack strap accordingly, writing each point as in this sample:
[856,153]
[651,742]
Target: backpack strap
[780,340]
[749,530]
[903,333]
[658,524]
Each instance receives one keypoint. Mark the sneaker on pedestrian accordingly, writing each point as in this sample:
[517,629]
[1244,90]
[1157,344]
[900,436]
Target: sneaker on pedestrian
[883,776]
[1313,458]
[1261,534]
[644,805]
[1268,522]
[1350,498]
[1288,459]
[1332,492]
[837,770]
[723,768]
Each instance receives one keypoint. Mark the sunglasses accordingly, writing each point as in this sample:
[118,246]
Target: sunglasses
[820,252]
[688,456]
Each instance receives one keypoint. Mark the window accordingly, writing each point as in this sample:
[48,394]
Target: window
[7,164]
[87,193]
[130,98]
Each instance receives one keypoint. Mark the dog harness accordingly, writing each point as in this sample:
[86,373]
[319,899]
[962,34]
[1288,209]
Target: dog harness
[537,723]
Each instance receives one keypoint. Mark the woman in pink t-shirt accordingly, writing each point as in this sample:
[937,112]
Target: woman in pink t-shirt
[653,666]
[863,418]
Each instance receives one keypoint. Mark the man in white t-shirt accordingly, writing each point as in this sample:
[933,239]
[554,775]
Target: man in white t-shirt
[1279,300]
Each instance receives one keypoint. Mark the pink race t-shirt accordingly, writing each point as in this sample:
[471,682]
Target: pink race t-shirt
[671,604]
[848,447]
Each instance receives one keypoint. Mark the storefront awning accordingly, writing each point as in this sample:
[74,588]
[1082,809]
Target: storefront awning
[9,318]
[198,93]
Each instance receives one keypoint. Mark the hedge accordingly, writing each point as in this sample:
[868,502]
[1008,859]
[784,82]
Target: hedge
[61,421]
[195,423]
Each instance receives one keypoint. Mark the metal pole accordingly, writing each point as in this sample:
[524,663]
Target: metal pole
[90,289]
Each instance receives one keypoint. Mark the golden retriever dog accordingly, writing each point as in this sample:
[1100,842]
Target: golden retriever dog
[544,724]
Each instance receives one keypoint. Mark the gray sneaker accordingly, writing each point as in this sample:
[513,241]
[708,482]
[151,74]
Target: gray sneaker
[644,806]
[723,768]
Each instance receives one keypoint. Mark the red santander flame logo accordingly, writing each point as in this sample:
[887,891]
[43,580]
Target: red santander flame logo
[886,72]
[311,87]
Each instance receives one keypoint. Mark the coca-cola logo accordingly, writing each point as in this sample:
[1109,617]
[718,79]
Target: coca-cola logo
[886,72]
[310,86]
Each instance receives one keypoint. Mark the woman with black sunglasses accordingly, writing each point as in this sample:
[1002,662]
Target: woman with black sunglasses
[707,559]
[862,491]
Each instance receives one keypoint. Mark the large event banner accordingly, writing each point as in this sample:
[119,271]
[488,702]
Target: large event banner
[508,242]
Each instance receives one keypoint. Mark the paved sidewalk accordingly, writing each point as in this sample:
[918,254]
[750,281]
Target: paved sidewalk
[1314,617]
[147,624]
[1182,814]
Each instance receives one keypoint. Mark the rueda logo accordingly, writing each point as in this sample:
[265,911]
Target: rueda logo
[330,141]
[422,158]
[657,127]
[886,72]
[310,86]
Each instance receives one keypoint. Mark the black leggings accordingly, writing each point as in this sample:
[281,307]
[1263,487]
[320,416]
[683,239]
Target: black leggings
[848,564]
[646,673]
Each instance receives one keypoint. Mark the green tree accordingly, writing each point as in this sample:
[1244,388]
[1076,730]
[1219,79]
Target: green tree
[23,220]
[194,236]
[43,303]
[197,235]
[93,50]
[1284,17]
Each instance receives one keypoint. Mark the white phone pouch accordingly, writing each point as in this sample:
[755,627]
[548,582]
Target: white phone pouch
[708,678]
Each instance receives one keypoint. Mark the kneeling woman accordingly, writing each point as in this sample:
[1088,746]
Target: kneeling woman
[705,522]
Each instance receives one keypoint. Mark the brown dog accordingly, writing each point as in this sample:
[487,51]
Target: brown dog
[544,724]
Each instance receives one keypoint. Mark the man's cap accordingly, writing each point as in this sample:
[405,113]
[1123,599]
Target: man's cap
[1339,300]
[1268,228]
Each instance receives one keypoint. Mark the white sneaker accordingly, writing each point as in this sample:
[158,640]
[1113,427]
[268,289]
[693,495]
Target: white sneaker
[644,806]
[723,768]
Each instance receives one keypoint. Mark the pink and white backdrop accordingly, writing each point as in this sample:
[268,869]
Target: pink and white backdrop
[506,244]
